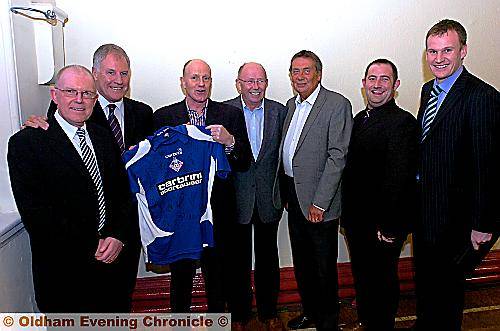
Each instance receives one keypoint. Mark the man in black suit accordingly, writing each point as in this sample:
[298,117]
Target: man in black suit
[72,192]
[111,71]
[133,119]
[379,195]
[227,126]
[458,178]
[254,203]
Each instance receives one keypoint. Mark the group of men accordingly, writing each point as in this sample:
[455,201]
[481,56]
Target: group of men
[382,174]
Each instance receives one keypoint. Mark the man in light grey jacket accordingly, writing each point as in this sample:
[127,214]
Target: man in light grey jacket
[316,135]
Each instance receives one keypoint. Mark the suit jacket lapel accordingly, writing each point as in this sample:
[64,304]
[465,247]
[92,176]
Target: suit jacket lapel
[426,95]
[128,122]
[451,98]
[315,110]
[182,115]
[98,116]
[99,152]
[213,115]
[64,148]
[288,120]
[269,126]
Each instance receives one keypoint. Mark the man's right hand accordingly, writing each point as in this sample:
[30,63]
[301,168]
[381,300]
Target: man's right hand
[36,122]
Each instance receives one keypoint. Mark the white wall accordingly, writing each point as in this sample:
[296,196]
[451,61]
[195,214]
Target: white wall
[160,36]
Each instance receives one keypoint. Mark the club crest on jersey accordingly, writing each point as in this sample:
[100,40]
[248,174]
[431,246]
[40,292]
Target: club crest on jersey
[176,164]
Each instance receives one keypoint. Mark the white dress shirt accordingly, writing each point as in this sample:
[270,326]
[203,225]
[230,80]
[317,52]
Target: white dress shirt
[302,111]
[70,131]
[119,112]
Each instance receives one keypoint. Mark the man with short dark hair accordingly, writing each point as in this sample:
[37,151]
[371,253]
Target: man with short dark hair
[254,204]
[378,198]
[72,193]
[458,178]
[314,145]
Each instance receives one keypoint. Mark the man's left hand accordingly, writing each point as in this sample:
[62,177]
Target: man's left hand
[478,238]
[108,249]
[315,214]
[220,134]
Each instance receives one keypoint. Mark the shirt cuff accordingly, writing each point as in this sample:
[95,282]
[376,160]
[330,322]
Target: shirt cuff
[229,149]
[318,207]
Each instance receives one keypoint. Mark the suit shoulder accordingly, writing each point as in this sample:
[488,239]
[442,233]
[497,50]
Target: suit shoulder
[477,84]
[27,135]
[403,117]
[139,105]
[227,108]
[233,102]
[276,105]
[169,108]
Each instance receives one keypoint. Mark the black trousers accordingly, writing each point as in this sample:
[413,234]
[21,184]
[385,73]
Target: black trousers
[375,270]
[266,274]
[314,252]
[181,282]
[440,286]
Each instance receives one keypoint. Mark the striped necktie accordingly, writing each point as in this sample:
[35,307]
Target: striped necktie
[91,165]
[115,127]
[430,111]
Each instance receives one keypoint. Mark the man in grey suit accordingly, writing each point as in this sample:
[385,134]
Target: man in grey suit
[316,135]
[254,188]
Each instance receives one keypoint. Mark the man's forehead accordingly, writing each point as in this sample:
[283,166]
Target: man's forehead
[380,69]
[76,75]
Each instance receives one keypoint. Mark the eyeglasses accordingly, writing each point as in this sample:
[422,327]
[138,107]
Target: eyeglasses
[259,81]
[71,93]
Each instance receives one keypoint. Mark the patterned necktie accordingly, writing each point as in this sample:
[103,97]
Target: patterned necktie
[430,111]
[91,165]
[115,127]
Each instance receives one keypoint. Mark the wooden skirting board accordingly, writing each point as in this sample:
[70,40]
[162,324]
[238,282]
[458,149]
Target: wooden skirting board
[152,293]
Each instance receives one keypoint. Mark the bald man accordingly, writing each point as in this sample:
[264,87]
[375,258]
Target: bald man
[72,193]
[254,203]
[227,126]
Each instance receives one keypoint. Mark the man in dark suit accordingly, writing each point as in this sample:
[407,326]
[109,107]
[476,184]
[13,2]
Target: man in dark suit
[132,120]
[458,178]
[254,205]
[314,144]
[227,126]
[72,192]
[111,71]
[378,195]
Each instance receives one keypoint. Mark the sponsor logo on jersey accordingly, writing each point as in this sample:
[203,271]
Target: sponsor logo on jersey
[180,182]
[179,152]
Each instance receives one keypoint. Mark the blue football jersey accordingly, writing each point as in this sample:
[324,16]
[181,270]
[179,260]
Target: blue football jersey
[171,175]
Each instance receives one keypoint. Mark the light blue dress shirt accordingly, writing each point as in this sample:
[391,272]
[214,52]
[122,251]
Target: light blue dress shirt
[446,85]
[254,120]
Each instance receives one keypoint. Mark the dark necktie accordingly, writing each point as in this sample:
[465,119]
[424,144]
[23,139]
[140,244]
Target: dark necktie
[91,164]
[115,127]
[430,111]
